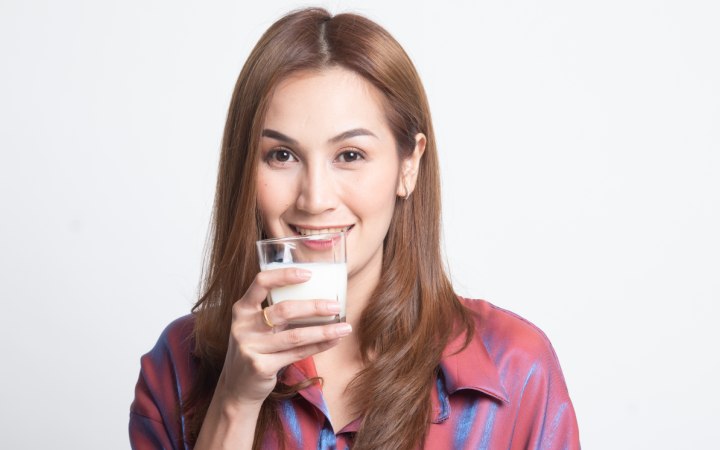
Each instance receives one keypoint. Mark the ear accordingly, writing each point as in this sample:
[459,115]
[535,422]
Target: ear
[409,167]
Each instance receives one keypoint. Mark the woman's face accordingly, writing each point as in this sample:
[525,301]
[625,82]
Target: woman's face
[329,162]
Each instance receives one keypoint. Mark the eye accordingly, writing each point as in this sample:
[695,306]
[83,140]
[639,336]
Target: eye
[280,155]
[350,156]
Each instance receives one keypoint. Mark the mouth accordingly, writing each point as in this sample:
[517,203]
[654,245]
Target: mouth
[307,231]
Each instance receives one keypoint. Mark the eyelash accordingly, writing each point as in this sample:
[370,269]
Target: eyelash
[271,156]
[359,155]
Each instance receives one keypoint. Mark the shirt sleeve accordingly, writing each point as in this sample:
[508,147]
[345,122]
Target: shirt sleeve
[147,430]
[165,373]
[547,417]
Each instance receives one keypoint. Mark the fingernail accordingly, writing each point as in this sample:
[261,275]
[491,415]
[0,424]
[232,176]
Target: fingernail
[343,329]
[303,274]
[333,307]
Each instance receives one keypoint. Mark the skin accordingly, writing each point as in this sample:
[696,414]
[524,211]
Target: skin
[328,160]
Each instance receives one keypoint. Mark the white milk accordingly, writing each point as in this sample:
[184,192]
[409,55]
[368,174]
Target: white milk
[328,282]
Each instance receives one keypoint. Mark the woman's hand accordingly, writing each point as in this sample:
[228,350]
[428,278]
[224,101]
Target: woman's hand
[256,352]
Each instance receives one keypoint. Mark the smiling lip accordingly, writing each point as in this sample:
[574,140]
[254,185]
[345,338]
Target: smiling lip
[312,230]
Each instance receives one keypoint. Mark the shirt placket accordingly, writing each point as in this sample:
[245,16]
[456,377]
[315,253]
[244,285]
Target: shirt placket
[326,438]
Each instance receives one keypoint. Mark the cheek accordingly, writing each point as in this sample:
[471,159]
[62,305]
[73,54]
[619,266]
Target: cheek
[271,200]
[372,195]
[263,196]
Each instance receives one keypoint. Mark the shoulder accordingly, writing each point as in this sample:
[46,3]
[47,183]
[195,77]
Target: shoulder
[177,335]
[529,372]
[166,371]
[513,343]
[175,342]
[172,353]
[497,327]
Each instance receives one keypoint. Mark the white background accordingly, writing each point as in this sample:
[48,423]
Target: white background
[580,147]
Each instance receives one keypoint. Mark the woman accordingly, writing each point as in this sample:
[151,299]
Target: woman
[329,128]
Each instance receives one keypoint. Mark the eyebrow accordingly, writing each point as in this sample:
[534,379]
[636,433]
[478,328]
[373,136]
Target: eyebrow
[351,134]
[267,132]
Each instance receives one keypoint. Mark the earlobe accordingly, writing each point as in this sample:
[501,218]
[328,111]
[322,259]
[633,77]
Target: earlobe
[405,194]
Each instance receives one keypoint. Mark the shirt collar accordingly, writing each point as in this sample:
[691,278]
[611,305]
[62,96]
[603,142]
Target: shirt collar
[300,371]
[469,368]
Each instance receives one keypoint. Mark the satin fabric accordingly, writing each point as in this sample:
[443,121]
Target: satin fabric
[503,391]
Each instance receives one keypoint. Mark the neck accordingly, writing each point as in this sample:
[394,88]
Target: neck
[361,285]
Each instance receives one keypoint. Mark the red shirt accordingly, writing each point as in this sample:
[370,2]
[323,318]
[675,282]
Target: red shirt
[503,391]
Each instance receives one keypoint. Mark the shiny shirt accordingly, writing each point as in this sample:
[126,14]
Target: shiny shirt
[505,390]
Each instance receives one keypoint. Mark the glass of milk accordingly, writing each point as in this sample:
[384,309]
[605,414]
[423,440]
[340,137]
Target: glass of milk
[324,255]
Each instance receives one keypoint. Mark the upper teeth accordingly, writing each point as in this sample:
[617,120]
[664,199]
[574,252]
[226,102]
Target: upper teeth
[308,232]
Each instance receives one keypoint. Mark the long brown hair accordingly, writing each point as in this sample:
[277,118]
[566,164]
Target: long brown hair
[413,311]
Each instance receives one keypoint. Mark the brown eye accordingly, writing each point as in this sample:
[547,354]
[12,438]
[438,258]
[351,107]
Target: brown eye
[350,156]
[280,156]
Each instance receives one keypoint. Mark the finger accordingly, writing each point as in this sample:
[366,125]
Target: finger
[284,312]
[266,280]
[268,365]
[301,337]
[296,354]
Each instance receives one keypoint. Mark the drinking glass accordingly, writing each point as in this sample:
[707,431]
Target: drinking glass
[322,254]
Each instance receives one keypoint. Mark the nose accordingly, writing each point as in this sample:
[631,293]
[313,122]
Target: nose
[318,191]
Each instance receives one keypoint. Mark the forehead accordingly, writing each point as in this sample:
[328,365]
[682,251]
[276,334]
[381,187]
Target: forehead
[326,102]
